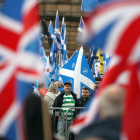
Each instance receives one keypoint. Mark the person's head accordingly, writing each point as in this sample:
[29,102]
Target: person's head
[67,87]
[41,86]
[53,88]
[59,84]
[111,101]
[96,85]
[85,92]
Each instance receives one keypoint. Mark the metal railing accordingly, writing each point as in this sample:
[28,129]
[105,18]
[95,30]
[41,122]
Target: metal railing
[56,113]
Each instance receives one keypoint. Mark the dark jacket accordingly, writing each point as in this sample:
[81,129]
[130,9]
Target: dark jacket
[58,103]
[81,102]
[108,129]
[59,99]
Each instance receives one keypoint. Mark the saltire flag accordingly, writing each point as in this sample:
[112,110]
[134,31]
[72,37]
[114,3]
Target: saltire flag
[63,58]
[114,27]
[47,81]
[81,27]
[54,60]
[77,71]
[91,56]
[56,77]
[100,55]
[57,32]
[19,63]
[65,47]
[51,30]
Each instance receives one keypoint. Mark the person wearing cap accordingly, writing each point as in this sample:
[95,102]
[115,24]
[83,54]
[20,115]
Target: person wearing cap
[65,100]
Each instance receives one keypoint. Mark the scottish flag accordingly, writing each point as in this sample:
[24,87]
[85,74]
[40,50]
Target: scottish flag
[51,30]
[57,32]
[63,58]
[81,26]
[91,56]
[78,73]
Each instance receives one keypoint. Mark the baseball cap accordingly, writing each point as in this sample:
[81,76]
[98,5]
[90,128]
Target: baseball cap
[69,83]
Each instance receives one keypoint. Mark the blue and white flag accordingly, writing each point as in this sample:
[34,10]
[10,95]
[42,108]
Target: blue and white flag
[78,73]
[57,32]
[51,30]
[88,5]
[91,56]
[81,27]
[63,58]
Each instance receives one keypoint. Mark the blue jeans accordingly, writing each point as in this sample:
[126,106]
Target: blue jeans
[60,128]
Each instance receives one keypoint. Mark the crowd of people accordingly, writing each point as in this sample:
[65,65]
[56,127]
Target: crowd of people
[60,96]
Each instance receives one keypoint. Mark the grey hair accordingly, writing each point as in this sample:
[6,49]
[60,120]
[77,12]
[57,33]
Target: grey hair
[53,88]
[111,101]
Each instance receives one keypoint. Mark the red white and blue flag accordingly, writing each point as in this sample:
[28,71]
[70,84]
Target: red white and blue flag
[115,27]
[19,62]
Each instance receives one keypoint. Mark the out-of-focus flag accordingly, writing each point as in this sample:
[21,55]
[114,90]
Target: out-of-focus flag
[91,56]
[81,27]
[46,32]
[77,71]
[20,63]
[99,74]
[88,5]
[114,27]
[57,32]
[47,66]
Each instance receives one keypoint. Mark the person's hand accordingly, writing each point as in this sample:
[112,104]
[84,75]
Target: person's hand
[59,117]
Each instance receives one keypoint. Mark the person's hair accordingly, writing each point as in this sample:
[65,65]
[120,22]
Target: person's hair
[86,88]
[41,85]
[98,78]
[111,101]
[53,88]
[60,85]
[97,82]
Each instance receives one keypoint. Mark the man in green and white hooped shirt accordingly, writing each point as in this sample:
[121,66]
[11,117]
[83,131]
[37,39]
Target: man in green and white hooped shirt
[65,100]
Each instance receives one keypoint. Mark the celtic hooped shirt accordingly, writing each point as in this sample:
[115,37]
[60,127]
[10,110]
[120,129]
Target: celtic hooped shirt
[68,101]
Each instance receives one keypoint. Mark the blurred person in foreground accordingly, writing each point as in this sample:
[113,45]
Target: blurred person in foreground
[37,119]
[111,105]
[42,89]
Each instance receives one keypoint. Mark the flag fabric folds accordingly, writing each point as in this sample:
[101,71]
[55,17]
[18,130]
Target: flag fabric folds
[46,32]
[115,35]
[81,27]
[91,56]
[57,32]
[77,71]
[20,66]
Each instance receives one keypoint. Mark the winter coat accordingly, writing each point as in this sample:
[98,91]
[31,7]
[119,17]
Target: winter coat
[49,98]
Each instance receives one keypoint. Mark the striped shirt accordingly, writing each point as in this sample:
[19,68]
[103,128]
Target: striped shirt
[68,101]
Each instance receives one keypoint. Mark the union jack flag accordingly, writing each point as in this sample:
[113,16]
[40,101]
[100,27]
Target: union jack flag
[19,62]
[115,27]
